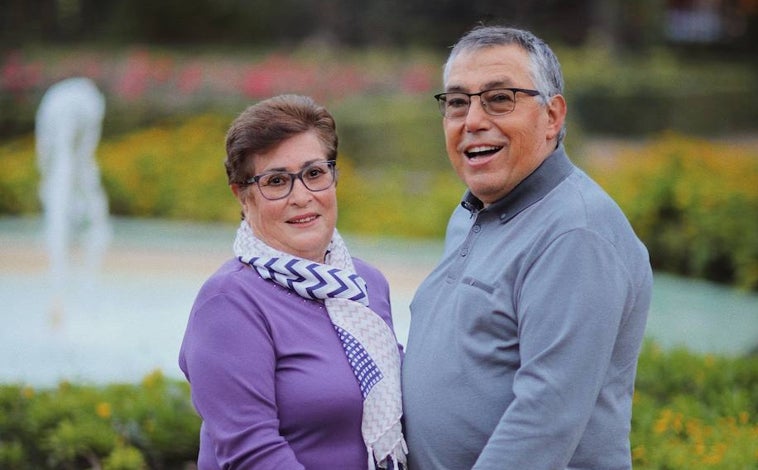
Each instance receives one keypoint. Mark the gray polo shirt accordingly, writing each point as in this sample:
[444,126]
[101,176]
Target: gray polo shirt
[524,340]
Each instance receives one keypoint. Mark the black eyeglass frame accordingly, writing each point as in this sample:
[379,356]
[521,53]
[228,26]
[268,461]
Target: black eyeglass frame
[293,176]
[441,101]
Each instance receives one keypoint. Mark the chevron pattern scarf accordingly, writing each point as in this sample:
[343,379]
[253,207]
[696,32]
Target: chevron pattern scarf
[369,343]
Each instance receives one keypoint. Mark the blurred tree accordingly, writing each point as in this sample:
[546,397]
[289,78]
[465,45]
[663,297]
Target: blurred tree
[634,25]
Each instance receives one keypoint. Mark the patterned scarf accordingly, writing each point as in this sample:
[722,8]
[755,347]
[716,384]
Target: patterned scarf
[369,343]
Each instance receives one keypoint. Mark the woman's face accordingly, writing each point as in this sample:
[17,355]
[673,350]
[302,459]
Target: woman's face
[302,223]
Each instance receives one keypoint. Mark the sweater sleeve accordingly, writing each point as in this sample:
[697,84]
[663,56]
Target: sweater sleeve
[570,304]
[228,357]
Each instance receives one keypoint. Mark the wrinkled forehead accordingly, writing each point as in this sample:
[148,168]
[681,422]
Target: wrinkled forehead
[488,67]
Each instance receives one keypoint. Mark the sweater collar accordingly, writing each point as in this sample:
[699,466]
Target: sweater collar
[534,187]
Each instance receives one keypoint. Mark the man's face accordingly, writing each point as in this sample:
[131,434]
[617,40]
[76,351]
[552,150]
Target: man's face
[493,154]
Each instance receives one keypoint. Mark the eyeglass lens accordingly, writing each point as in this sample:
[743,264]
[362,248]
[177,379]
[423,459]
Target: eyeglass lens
[495,102]
[316,177]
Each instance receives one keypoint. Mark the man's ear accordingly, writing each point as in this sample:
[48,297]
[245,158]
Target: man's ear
[556,112]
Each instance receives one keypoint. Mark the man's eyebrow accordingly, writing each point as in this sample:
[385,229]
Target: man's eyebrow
[454,89]
[500,83]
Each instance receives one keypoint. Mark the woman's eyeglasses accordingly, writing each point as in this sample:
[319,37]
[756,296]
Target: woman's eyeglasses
[274,185]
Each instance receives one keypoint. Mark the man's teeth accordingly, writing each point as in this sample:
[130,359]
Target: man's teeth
[481,150]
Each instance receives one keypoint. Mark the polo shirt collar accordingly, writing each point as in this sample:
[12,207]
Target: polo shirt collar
[534,187]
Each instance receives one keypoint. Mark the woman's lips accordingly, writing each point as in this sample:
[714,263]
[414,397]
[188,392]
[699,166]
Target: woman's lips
[303,219]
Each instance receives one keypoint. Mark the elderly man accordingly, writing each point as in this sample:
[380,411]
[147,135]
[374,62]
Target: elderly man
[524,340]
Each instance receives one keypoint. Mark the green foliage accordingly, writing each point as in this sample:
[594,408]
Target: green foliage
[399,130]
[172,170]
[175,171]
[694,203]
[118,426]
[125,458]
[635,95]
[18,183]
[689,411]
[694,411]
[396,202]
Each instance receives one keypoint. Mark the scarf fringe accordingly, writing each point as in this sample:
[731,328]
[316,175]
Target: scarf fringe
[397,456]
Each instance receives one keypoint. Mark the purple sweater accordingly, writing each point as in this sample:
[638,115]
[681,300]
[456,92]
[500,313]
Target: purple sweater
[269,376]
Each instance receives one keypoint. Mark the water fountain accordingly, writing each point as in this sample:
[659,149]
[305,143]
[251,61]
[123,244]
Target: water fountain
[68,126]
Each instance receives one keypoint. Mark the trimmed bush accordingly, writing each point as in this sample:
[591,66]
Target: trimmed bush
[689,411]
[694,203]
[120,426]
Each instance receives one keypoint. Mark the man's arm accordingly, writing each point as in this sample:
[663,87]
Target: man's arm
[570,302]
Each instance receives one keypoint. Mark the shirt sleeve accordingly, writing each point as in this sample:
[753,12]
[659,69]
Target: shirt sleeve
[229,358]
[570,302]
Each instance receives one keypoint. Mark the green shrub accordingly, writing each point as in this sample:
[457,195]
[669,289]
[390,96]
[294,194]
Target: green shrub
[689,411]
[694,411]
[636,95]
[18,178]
[120,426]
[125,458]
[693,203]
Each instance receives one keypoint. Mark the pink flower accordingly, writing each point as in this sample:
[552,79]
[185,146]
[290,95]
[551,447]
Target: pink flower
[417,79]
[258,82]
[190,78]
[17,77]
[134,80]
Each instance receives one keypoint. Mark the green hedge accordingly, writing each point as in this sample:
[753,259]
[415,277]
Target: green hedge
[694,411]
[690,411]
[694,203]
[175,170]
[636,95]
[120,426]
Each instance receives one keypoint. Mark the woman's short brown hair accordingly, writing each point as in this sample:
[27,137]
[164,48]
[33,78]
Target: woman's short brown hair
[268,123]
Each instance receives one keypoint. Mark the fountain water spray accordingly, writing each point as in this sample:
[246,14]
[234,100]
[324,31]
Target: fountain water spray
[68,126]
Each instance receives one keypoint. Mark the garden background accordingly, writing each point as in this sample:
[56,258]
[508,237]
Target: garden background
[663,112]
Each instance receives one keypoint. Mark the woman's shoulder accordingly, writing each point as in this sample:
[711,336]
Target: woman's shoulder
[232,277]
[229,270]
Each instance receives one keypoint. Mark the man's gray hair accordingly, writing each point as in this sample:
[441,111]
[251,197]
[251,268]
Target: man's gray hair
[545,68]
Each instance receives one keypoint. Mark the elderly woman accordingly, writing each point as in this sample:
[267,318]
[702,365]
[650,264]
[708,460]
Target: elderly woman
[289,348]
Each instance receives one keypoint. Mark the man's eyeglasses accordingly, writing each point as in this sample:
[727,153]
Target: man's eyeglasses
[274,185]
[496,102]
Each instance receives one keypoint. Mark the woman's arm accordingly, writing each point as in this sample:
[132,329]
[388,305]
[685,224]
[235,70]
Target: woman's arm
[229,359]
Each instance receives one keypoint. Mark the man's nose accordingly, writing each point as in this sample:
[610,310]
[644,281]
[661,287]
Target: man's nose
[476,116]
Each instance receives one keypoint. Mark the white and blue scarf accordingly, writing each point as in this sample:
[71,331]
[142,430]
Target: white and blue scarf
[369,343]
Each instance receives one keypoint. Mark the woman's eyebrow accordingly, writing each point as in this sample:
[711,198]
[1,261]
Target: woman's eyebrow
[286,170]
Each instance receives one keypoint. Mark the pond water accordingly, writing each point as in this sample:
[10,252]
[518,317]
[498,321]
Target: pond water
[129,321]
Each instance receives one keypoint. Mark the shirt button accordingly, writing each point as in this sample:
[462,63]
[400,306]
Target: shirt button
[477,228]
[464,251]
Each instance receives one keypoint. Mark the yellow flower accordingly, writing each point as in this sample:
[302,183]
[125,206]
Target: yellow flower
[662,423]
[153,379]
[638,453]
[103,410]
